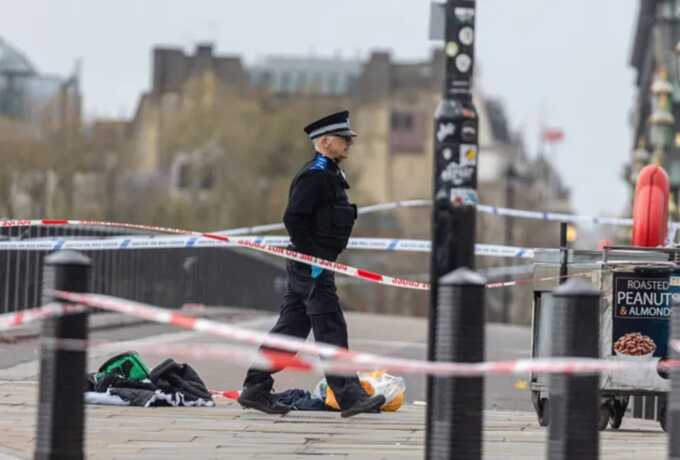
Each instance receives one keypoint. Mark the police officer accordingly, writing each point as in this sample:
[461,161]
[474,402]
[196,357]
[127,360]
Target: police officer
[319,219]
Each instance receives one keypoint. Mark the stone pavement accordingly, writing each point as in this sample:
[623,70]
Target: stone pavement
[226,431]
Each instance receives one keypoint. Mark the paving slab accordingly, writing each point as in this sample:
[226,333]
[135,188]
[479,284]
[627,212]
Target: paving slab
[227,431]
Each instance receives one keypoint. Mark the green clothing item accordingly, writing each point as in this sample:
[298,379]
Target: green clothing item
[128,365]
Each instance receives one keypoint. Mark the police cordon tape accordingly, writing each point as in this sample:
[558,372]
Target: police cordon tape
[495,210]
[157,242]
[334,359]
[363,210]
[22,317]
[276,360]
[251,244]
[244,243]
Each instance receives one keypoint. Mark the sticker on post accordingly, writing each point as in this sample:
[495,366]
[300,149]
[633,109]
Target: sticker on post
[451,49]
[466,36]
[464,14]
[468,155]
[445,130]
[469,113]
[464,197]
[457,174]
[463,63]
[468,133]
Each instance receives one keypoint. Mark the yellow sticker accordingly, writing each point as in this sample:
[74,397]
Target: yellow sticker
[468,155]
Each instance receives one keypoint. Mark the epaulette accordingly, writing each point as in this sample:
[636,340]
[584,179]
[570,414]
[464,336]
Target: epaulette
[320,163]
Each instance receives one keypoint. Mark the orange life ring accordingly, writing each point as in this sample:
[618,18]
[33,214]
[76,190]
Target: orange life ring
[650,207]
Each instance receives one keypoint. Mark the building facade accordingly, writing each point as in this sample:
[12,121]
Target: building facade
[392,105]
[45,101]
[655,116]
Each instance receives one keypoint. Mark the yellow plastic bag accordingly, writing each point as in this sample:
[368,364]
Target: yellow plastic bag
[376,382]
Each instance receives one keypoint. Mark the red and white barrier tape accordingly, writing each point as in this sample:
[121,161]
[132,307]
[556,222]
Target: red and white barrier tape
[249,243]
[167,242]
[280,252]
[277,360]
[362,210]
[521,213]
[338,360]
[21,318]
[161,315]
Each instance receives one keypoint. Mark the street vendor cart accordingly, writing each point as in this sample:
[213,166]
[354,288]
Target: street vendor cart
[636,287]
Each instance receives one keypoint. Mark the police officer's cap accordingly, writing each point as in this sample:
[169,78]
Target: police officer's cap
[336,124]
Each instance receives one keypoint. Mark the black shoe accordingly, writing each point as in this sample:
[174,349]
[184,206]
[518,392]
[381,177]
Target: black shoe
[259,397]
[363,406]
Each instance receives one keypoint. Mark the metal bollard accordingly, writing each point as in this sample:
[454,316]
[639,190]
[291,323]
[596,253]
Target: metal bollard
[61,415]
[457,402]
[673,408]
[575,400]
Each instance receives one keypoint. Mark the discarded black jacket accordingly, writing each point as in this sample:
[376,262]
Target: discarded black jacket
[169,384]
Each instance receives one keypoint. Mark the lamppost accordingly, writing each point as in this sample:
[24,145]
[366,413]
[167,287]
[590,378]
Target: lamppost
[662,133]
[456,320]
[662,121]
[641,158]
[510,176]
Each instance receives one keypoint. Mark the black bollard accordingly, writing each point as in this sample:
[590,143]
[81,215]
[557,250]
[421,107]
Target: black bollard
[457,402]
[61,413]
[673,408]
[575,400]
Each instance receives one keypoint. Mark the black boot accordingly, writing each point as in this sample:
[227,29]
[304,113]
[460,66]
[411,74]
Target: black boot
[367,405]
[259,397]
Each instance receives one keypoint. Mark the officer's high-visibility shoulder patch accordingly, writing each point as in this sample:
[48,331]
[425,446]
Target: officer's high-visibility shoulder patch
[320,163]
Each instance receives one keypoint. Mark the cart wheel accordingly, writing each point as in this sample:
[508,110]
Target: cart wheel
[616,412]
[543,412]
[604,417]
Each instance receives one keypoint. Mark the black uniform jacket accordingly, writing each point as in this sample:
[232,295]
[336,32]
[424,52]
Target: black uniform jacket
[319,217]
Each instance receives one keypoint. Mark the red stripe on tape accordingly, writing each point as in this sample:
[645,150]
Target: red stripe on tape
[281,360]
[18,318]
[182,321]
[504,366]
[217,237]
[233,394]
[369,275]
[55,221]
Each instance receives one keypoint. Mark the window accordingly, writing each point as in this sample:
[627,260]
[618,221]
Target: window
[301,83]
[284,82]
[402,121]
[332,82]
[184,176]
[407,132]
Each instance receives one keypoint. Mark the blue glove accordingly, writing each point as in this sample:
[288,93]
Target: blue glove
[316,271]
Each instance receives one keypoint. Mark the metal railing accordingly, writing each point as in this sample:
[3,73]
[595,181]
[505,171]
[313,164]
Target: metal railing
[167,277]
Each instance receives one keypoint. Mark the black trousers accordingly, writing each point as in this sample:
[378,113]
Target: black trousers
[313,305]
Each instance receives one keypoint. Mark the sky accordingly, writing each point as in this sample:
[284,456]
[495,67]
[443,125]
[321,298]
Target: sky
[554,63]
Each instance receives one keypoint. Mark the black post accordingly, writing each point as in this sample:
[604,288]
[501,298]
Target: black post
[61,414]
[510,176]
[564,252]
[574,400]
[455,169]
[672,416]
[456,426]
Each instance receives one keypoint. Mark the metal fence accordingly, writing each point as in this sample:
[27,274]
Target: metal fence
[165,277]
